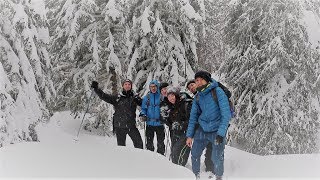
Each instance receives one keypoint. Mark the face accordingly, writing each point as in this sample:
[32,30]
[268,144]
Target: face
[172,98]
[164,91]
[200,82]
[153,88]
[192,87]
[127,86]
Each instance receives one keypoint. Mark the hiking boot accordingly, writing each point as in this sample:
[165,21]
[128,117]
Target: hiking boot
[210,175]
[218,177]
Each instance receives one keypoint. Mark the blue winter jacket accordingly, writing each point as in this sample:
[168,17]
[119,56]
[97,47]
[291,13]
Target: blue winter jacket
[151,106]
[206,112]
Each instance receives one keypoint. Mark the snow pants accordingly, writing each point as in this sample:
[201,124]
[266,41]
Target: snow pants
[133,133]
[201,140]
[150,131]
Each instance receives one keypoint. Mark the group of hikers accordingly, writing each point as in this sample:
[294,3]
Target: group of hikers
[196,121]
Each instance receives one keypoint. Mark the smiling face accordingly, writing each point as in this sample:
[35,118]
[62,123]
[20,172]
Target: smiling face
[127,86]
[172,98]
[192,87]
[164,91]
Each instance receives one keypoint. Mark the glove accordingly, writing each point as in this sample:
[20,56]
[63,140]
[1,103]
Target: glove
[176,126]
[94,84]
[137,97]
[219,140]
[143,118]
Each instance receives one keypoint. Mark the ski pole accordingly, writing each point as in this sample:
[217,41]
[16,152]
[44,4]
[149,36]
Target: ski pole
[88,103]
[167,136]
[145,135]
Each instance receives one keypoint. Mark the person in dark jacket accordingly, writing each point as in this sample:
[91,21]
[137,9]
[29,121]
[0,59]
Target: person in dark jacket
[176,115]
[150,112]
[192,87]
[212,119]
[125,105]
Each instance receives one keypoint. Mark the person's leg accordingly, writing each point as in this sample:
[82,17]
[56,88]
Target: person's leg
[160,139]
[121,135]
[135,137]
[150,136]
[208,160]
[174,138]
[199,143]
[218,156]
[175,148]
[180,152]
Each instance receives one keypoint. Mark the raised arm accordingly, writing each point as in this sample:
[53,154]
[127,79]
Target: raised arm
[112,99]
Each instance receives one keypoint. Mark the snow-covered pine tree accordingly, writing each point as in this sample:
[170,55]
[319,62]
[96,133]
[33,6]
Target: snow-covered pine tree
[86,42]
[26,85]
[162,42]
[71,41]
[311,20]
[211,48]
[111,39]
[271,69]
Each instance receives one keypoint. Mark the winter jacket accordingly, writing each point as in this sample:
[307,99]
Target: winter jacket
[178,112]
[206,112]
[151,106]
[125,105]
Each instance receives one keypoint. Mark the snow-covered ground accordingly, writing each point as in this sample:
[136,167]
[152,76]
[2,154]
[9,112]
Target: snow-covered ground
[59,156]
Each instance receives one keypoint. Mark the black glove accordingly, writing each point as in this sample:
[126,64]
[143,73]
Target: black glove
[219,140]
[94,84]
[176,126]
[137,97]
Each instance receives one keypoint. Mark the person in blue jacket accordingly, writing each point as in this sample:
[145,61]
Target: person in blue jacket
[150,112]
[208,123]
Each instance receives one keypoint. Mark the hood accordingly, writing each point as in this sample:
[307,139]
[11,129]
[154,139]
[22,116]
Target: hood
[156,83]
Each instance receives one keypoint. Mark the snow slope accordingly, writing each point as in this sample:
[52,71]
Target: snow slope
[59,156]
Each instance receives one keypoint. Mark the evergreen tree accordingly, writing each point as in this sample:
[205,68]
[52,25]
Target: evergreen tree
[85,48]
[163,42]
[211,47]
[271,68]
[26,85]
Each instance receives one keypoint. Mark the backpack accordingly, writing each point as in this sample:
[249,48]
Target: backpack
[215,98]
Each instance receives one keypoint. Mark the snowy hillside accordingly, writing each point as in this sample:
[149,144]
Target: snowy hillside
[58,155]
[266,51]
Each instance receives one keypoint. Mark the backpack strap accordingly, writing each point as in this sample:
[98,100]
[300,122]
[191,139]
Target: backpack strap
[197,98]
[214,96]
[148,99]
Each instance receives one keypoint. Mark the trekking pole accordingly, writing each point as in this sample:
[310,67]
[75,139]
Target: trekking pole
[167,136]
[88,103]
[145,135]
